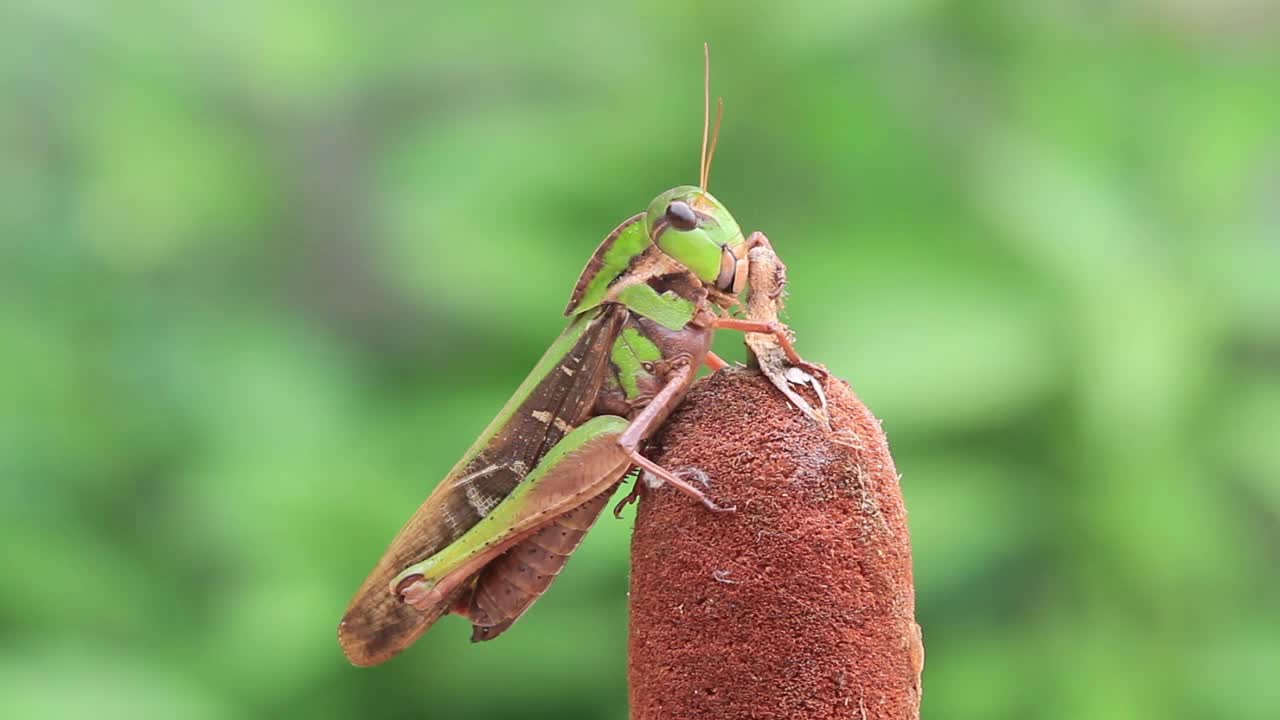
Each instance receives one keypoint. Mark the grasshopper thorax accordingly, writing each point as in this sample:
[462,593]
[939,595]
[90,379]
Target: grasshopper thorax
[693,228]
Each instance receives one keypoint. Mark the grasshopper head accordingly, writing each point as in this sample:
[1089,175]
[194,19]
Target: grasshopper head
[692,227]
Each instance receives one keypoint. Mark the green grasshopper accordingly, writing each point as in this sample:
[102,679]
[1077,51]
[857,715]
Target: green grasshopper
[496,531]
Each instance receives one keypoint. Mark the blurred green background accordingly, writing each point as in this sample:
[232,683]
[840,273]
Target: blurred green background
[266,269]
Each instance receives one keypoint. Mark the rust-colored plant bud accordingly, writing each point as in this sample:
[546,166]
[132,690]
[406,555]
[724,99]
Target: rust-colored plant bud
[798,605]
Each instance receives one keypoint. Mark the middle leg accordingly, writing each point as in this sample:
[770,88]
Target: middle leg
[643,425]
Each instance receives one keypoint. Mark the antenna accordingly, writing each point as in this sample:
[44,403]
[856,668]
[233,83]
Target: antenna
[704,169]
[715,138]
[706,113]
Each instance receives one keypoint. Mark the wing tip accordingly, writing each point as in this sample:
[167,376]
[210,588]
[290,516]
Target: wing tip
[372,638]
[357,652]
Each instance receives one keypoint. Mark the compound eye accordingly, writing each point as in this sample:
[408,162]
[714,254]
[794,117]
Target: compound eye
[681,216]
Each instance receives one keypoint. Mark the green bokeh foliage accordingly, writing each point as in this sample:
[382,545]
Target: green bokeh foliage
[267,268]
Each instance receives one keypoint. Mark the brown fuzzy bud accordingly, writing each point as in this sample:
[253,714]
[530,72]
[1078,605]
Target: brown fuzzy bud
[798,605]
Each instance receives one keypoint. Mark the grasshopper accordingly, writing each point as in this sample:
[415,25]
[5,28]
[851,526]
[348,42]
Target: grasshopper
[495,533]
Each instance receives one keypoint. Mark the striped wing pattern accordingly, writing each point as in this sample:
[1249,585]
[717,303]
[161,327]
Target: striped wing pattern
[559,394]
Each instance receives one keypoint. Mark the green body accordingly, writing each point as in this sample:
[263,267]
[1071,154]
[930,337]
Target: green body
[537,477]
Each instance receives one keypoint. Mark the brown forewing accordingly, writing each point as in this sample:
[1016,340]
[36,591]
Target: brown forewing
[377,625]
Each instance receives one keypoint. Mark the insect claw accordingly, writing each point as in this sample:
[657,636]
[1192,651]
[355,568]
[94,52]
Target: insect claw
[713,507]
[677,482]
[622,504]
[692,473]
[637,489]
